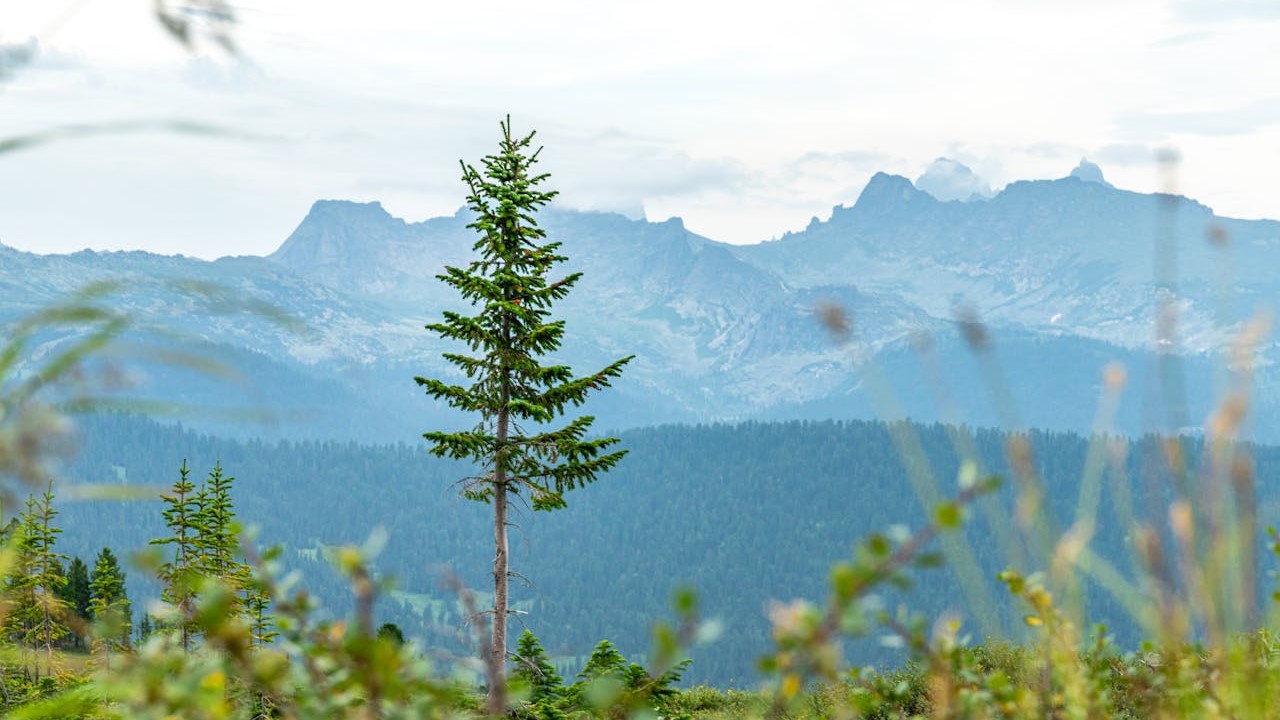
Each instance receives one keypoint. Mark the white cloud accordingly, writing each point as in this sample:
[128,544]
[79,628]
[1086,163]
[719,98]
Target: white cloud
[946,179]
[1089,172]
[1237,120]
[1126,154]
[1217,11]
[744,120]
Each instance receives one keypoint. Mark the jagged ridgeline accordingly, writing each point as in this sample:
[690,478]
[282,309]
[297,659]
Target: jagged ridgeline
[745,513]
[1061,271]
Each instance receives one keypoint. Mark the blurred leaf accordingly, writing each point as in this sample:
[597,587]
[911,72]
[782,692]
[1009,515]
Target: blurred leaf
[879,545]
[948,516]
[685,601]
[929,560]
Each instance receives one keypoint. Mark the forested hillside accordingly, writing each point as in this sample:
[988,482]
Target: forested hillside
[744,513]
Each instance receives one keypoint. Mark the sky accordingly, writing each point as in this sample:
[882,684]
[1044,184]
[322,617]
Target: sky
[744,119]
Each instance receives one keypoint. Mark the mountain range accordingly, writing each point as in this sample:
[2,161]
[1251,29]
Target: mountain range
[999,310]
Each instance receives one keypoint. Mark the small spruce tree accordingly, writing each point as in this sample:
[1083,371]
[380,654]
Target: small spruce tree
[76,594]
[146,626]
[516,397]
[533,667]
[47,625]
[178,575]
[392,632]
[19,593]
[262,630]
[110,603]
[217,541]
[605,661]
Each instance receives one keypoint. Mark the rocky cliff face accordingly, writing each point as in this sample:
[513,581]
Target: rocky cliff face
[707,327]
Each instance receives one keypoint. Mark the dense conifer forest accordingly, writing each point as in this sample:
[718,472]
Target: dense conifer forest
[744,514]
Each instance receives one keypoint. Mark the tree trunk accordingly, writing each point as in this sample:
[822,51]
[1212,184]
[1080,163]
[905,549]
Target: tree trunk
[497,660]
[48,632]
[497,656]
[185,619]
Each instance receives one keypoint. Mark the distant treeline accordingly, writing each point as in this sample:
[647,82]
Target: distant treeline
[744,513]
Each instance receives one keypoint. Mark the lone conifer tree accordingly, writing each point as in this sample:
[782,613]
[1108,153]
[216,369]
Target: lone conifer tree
[516,397]
[535,668]
[179,574]
[110,604]
[38,607]
[217,541]
[76,595]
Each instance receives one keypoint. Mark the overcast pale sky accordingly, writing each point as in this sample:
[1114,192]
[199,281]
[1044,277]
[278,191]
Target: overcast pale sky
[744,119]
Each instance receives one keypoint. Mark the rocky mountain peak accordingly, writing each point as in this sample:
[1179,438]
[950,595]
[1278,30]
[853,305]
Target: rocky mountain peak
[336,232]
[1089,172]
[885,191]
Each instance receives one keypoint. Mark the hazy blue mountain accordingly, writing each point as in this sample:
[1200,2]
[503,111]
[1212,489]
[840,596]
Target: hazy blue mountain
[1062,256]
[1063,273]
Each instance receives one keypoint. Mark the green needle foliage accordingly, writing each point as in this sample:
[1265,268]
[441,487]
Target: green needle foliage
[46,577]
[77,595]
[536,671]
[110,604]
[516,396]
[217,541]
[178,575]
[257,605]
[206,546]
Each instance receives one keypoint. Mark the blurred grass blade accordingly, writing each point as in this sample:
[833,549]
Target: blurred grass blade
[110,491]
[16,143]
